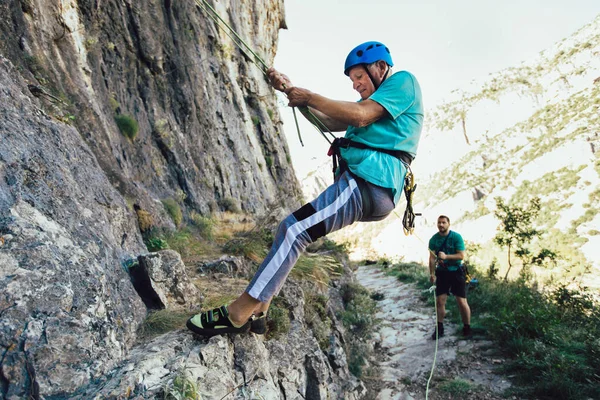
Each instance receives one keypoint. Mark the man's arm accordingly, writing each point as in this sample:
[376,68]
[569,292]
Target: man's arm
[350,113]
[459,255]
[432,260]
[298,97]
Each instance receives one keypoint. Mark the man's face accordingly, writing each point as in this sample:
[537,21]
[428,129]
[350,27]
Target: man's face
[443,225]
[361,81]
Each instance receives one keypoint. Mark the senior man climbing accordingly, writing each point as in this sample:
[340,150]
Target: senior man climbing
[382,134]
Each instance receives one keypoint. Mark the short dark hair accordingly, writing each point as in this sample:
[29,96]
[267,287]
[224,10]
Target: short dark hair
[443,216]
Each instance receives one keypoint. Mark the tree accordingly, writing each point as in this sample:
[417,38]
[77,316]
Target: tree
[516,227]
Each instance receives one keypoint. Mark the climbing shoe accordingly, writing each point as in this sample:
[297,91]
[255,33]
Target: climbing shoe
[259,324]
[467,331]
[215,322]
[440,331]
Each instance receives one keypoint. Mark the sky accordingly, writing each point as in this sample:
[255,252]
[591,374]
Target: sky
[445,44]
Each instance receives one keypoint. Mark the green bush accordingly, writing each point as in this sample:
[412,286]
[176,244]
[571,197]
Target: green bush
[114,104]
[253,244]
[185,242]
[551,336]
[156,244]
[174,210]
[230,204]
[127,125]
[350,291]
[358,354]
[358,318]
[315,311]
[205,225]
[278,318]
[269,161]
[359,315]
[181,388]
[457,387]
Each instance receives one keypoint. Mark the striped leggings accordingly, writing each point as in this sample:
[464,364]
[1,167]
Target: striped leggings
[340,205]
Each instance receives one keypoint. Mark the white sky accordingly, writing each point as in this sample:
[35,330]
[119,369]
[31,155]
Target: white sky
[445,44]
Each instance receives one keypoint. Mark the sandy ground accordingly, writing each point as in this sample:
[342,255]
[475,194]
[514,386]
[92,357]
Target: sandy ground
[405,352]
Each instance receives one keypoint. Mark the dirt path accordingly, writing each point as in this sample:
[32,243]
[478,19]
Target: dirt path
[405,351]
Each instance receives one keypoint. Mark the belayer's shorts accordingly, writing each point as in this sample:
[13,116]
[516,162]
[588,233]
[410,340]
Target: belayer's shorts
[448,282]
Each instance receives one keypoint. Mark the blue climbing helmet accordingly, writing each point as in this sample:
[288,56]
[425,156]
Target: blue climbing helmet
[368,53]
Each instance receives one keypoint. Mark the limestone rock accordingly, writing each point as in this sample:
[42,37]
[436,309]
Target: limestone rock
[229,265]
[162,282]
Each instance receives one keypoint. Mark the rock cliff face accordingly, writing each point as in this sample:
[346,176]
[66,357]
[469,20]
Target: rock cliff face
[68,309]
[209,131]
[71,183]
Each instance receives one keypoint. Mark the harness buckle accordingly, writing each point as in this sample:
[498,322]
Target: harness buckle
[342,142]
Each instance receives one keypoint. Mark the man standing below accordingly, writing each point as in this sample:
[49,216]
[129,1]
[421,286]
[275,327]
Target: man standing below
[446,254]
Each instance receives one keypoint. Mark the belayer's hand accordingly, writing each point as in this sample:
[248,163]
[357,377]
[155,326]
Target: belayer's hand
[298,97]
[278,80]
[442,255]
[432,278]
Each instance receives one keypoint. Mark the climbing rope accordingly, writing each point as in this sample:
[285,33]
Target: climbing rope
[229,31]
[244,48]
[318,124]
[432,290]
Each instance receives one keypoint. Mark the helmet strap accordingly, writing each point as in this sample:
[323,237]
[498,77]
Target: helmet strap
[373,80]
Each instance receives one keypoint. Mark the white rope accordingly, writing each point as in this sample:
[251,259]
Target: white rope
[432,290]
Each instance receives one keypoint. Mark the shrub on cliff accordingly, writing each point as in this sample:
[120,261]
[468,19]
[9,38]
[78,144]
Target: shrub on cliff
[127,125]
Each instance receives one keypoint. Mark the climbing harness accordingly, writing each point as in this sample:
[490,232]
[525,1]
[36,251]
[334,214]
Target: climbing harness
[408,221]
[344,143]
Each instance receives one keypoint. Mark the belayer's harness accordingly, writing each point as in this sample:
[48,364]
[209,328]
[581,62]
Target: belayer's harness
[463,267]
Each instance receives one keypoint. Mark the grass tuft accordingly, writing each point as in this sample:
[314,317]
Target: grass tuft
[127,125]
[181,388]
[162,321]
[278,318]
[317,268]
[457,387]
[174,211]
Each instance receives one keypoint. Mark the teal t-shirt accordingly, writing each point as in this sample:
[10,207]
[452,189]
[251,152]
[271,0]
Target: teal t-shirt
[453,245]
[400,129]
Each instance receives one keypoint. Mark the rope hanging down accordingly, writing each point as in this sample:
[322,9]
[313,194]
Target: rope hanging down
[437,338]
[243,46]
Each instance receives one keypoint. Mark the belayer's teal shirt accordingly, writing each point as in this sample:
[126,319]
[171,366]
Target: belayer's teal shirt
[452,245]
[400,129]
